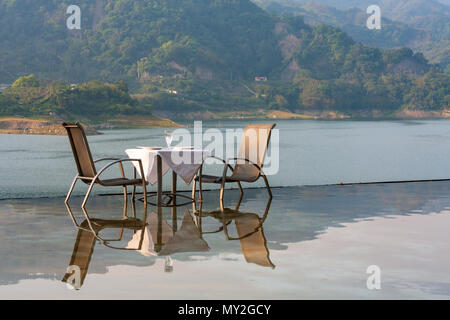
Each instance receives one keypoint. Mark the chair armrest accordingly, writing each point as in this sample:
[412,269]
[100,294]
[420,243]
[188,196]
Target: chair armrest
[217,158]
[220,159]
[242,159]
[119,161]
[225,162]
[243,237]
[112,159]
[105,159]
[245,160]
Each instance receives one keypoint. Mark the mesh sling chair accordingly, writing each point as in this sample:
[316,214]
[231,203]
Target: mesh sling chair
[248,164]
[87,171]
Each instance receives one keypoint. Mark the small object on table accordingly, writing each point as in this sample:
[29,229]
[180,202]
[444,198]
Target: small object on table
[169,137]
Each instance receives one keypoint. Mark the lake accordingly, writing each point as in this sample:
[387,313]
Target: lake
[315,242]
[311,153]
[311,240]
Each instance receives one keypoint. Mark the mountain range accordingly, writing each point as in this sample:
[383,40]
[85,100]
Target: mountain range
[423,25]
[222,56]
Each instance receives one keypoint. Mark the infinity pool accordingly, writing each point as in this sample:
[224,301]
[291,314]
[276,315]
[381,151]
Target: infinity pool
[308,242]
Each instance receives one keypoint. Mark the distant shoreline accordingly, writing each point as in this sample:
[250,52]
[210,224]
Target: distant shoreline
[19,125]
[16,125]
[261,114]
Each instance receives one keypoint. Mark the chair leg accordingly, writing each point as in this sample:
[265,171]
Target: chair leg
[144,189]
[222,185]
[240,190]
[125,198]
[125,201]
[71,189]
[222,190]
[194,187]
[88,219]
[267,186]
[71,215]
[86,197]
[200,191]
[239,202]
[133,208]
[194,208]
[222,207]
[133,195]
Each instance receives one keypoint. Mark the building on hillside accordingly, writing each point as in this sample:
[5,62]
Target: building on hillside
[260,79]
[4,86]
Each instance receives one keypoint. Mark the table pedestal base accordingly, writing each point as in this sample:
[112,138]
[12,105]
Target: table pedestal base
[170,202]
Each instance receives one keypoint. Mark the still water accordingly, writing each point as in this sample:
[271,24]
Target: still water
[308,242]
[311,153]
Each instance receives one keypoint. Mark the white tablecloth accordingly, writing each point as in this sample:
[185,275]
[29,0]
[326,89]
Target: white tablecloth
[184,162]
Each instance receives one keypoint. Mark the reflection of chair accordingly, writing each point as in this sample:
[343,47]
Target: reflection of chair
[253,241]
[86,238]
[249,227]
[96,225]
[248,167]
[86,166]
[82,252]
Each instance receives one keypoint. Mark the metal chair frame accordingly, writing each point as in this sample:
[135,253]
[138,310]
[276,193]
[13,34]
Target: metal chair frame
[95,179]
[224,179]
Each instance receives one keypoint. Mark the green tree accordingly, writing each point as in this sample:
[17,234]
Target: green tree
[26,82]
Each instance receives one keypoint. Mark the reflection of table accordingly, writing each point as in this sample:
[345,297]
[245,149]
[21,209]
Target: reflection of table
[156,163]
[161,239]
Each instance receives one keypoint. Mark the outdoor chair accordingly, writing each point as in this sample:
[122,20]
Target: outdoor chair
[248,164]
[87,171]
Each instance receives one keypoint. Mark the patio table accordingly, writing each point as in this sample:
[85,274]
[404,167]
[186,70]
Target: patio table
[184,162]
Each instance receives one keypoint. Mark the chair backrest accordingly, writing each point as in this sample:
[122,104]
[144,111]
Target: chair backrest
[254,143]
[80,148]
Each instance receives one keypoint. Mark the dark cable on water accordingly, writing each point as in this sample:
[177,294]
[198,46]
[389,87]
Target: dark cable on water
[387,182]
[322,185]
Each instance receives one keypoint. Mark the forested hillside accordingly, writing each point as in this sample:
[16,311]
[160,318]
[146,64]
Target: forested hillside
[421,25]
[198,55]
[118,35]
[31,97]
